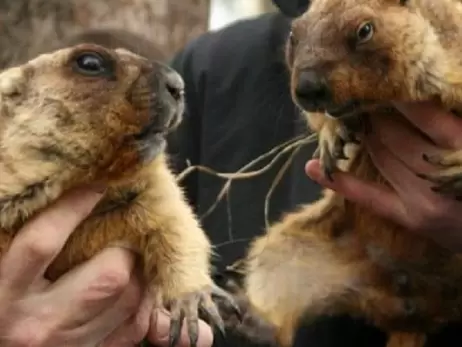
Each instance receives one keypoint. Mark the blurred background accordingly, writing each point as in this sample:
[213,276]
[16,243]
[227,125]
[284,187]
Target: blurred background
[223,12]
[30,25]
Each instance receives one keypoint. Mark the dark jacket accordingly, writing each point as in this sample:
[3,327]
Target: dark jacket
[239,107]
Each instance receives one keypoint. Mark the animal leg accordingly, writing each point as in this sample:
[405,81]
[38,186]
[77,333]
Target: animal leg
[175,253]
[333,136]
[177,259]
[294,273]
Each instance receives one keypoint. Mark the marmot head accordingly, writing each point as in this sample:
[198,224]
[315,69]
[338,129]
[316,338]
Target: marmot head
[343,53]
[84,114]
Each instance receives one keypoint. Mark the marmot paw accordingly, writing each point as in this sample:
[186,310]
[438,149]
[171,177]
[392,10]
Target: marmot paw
[333,138]
[187,308]
[449,179]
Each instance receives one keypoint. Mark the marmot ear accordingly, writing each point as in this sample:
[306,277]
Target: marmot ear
[403,2]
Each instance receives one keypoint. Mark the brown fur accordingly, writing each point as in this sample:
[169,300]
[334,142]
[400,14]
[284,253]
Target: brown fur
[60,128]
[115,38]
[333,256]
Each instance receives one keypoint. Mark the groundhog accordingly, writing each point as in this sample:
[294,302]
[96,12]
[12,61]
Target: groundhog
[348,60]
[91,115]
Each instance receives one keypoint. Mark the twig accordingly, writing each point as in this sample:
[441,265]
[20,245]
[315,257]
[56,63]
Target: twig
[292,145]
[275,182]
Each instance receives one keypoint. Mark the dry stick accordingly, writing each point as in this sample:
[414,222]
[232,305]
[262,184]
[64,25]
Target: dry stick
[239,174]
[276,180]
[238,267]
[283,148]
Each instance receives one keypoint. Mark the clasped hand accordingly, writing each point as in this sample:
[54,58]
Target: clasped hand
[397,150]
[100,303]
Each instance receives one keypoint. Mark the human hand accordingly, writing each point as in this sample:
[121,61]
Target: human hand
[158,334]
[81,308]
[396,149]
[155,325]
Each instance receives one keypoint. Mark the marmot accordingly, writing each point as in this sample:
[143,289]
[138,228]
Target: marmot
[91,115]
[348,60]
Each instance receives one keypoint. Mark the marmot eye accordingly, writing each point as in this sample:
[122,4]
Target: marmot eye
[91,64]
[364,32]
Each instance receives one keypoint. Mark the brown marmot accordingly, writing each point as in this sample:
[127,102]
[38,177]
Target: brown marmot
[348,60]
[91,115]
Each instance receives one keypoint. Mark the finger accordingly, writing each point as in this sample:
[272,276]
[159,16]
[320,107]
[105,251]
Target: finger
[114,316]
[426,210]
[441,126]
[135,329]
[396,172]
[370,195]
[89,289]
[403,141]
[42,238]
[160,327]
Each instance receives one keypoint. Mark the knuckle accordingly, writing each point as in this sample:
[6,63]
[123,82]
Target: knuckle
[40,248]
[113,281]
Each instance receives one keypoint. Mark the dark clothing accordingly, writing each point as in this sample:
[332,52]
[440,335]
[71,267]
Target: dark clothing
[292,8]
[239,107]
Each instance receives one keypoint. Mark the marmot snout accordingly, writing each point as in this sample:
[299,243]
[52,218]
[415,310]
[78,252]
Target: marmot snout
[343,53]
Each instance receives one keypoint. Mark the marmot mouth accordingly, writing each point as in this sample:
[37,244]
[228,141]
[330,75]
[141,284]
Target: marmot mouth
[149,132]
[151,141]
[346,109]
[155,130]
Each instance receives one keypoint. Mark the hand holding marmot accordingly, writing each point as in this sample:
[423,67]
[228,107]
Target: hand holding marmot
[91,115]
[397,153]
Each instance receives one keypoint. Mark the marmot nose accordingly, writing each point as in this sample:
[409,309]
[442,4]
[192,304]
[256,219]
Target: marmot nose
[174,84]
[312,91]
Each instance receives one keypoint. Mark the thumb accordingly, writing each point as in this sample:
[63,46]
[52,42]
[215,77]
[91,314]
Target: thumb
[373,196]
[160,327]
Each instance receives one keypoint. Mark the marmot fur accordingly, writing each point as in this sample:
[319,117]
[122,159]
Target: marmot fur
[350,59]
[91,115]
